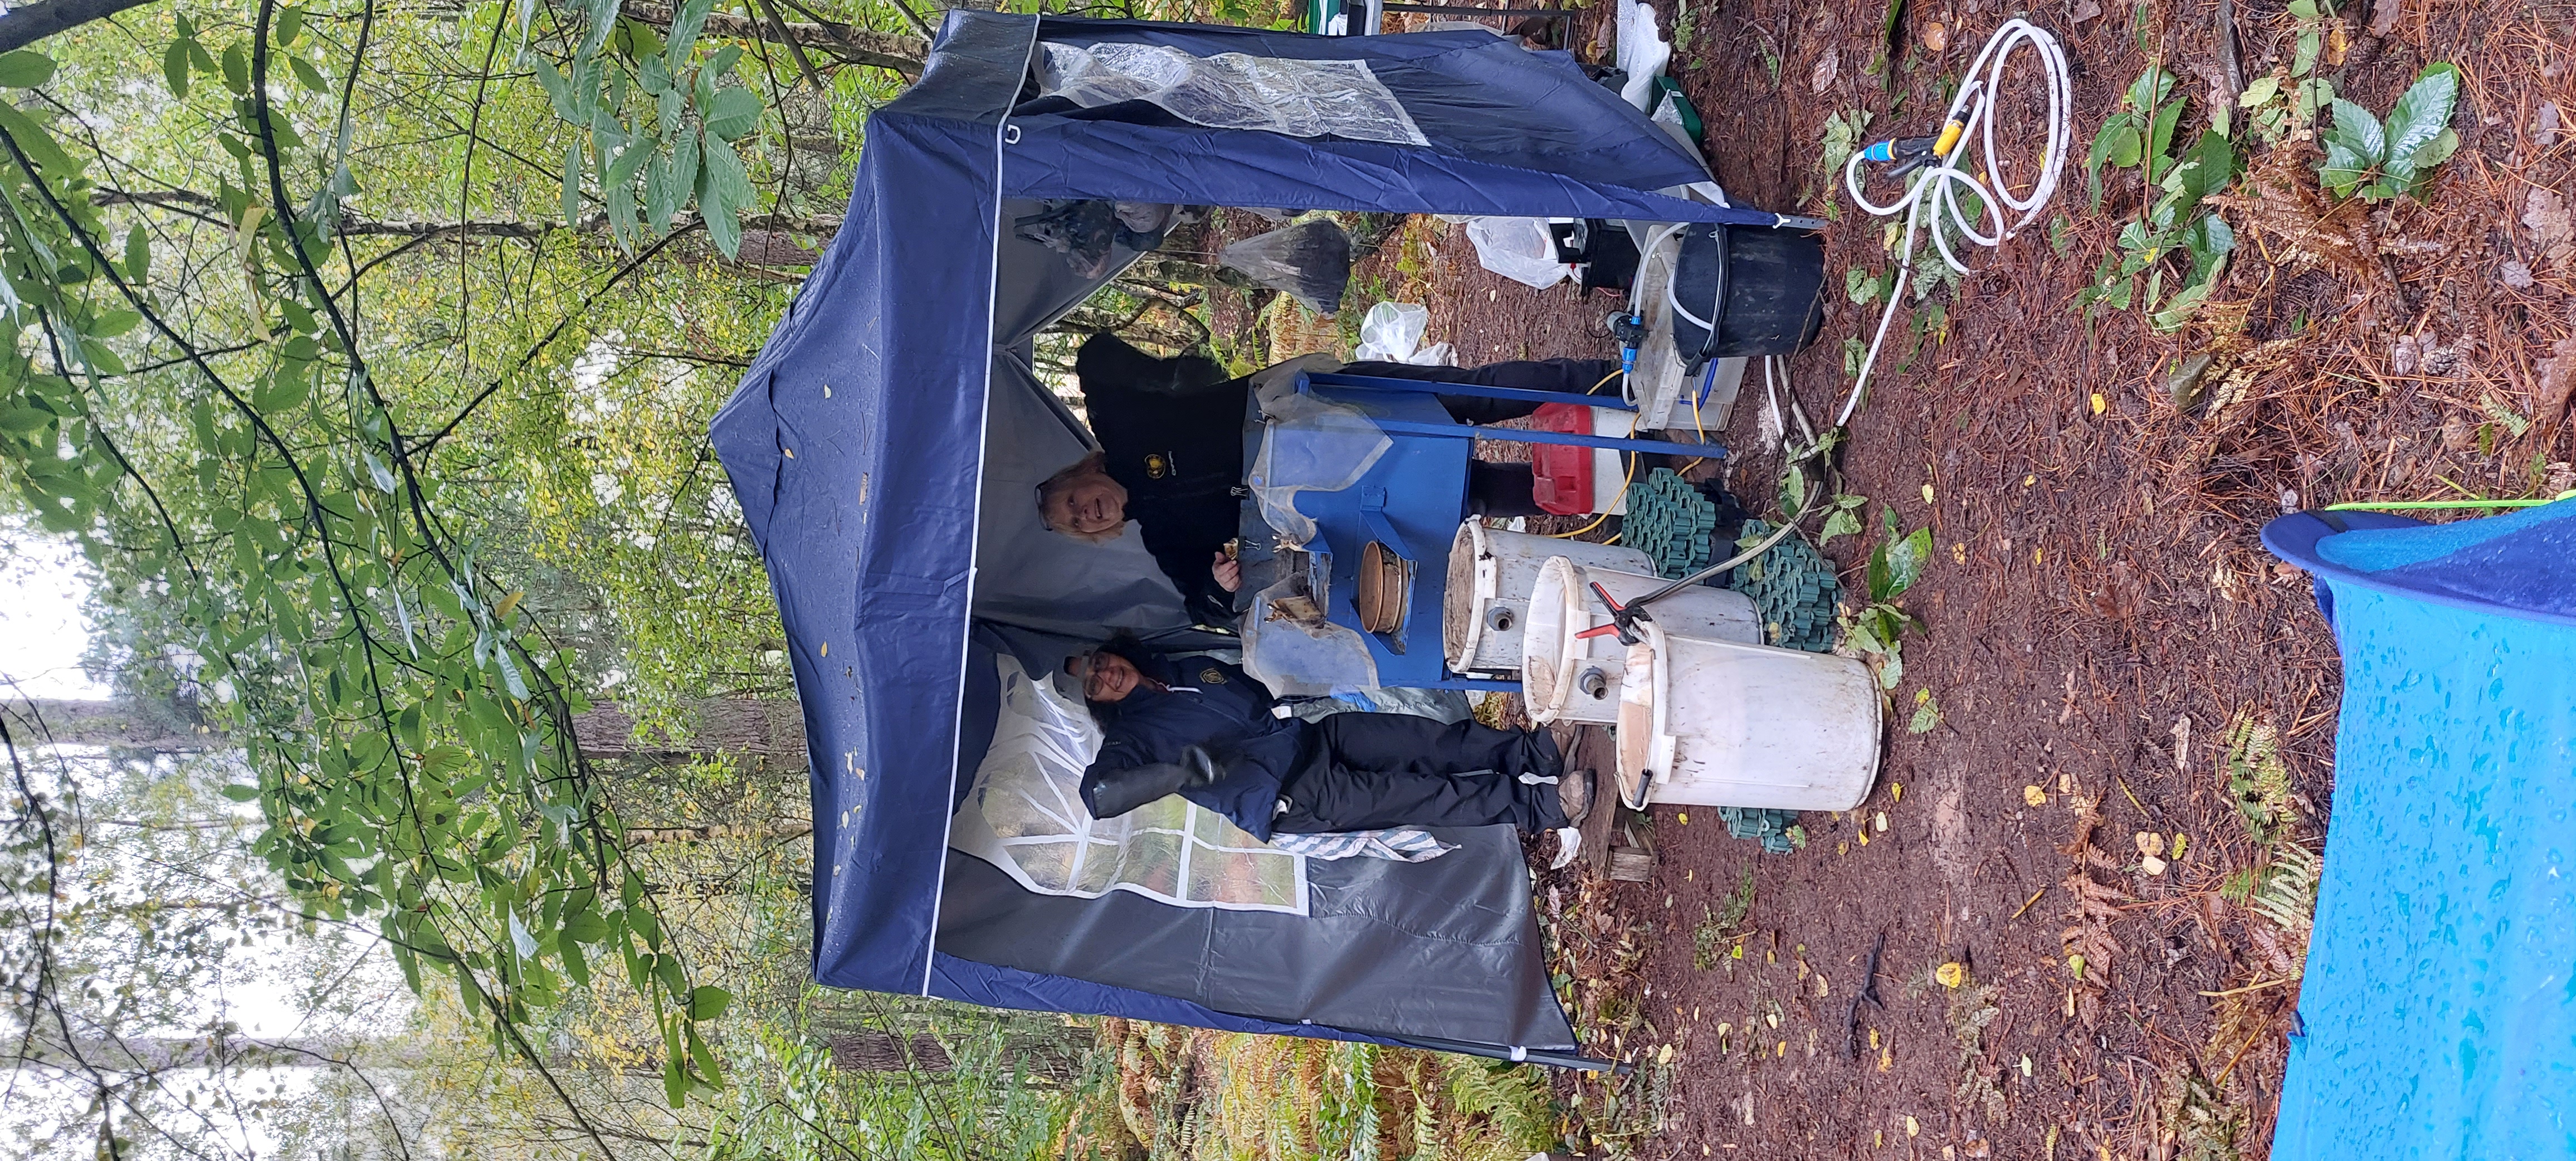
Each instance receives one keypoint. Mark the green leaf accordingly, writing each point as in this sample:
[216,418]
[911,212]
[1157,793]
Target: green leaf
[2160,142]
[240,793]
[2210,241]
[39,145]
[290,24]
[2262,89]
[2434,153]
[115,322]
[2149,90]
[572,184]
[587,926]
[685,24]
[1905,561]
[735,112]
[1793,492]
[2206,169]
[704,1059]
[174,68]
[25,69]
[2418,117]
[2116,145]
[2177,311]
[138,254]
[2358,132]
[1839,522]
[237,69]
[306,75]
[1860,286]
[723,192]
[1927,714]
[708,1002]
[558,91]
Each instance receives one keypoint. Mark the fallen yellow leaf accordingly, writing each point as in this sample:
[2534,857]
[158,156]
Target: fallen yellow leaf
[2034,796]
[1896,790]
[2025,1066]
[1880,823]
[2150,843]
[2027,481]
[1951,974]
[1959,554]
[2100,404]
[1913,1128]
[1886,1059]
[1665,1055]
[2179,843]
[1683,817]
[1784,1048]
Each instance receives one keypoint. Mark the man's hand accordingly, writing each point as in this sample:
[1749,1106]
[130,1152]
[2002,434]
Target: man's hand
[1227,571]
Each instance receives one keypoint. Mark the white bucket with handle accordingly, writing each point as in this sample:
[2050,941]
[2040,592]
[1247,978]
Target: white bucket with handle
[1491,575]
[1724,723]
[1565,675]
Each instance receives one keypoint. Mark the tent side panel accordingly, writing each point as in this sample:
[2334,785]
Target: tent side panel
[843,444]
[1446,949]
[2439,1017]
[1002,987]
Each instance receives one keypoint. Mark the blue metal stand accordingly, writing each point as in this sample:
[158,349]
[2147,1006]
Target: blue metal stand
[1411,502]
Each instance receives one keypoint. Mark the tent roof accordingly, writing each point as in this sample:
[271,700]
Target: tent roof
[859,443]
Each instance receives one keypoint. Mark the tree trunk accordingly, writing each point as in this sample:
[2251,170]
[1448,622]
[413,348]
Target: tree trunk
[847,43]
[122,723]
[770,729]
[1053,1059]
[882,1052]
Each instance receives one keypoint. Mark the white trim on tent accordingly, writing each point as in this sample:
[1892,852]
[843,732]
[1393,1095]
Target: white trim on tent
[1003,132]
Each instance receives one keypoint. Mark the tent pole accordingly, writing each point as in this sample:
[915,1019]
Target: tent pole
[1517,1055]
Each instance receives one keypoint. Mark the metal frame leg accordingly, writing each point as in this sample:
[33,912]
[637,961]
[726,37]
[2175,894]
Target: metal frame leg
[1334,381]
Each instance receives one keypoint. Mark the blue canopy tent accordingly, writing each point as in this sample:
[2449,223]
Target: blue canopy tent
[2437,1016]
[885,444]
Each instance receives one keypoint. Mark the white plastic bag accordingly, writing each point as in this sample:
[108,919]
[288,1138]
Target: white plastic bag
[1518,249]
[1392,333]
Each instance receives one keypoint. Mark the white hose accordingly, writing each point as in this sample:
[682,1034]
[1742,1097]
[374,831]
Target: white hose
[1937,185]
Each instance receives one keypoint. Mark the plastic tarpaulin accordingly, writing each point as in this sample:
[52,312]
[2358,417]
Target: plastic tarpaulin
[884,444]
[2437,1016]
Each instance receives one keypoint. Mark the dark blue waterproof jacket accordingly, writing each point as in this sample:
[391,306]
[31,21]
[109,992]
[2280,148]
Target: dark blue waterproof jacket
[1220,708]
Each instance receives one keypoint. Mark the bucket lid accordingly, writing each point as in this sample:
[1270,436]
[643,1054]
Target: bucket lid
[1464,594]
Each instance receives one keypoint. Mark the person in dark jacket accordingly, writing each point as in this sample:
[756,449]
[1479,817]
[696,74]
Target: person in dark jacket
[1171,455]
[1205,730]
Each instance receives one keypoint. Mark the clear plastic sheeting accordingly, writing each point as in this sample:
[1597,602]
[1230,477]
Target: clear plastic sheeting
[1309,445]
[1302,656]
[1026,817]
[1232,90]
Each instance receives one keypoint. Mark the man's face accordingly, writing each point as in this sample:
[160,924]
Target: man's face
[1104,676]
[1089,504]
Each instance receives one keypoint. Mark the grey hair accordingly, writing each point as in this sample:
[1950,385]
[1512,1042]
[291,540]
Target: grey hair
[1093,464]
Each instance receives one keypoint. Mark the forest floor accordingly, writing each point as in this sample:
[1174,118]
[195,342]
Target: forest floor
[2104,637]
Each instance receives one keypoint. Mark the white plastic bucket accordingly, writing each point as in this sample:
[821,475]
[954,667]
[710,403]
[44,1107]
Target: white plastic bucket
[1724,723]
[1491,573]
[1574,678]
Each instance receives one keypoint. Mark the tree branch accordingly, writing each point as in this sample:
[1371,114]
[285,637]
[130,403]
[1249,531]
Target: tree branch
[27,24]
[848,43]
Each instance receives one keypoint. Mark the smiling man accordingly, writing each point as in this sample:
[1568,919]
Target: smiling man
[1205,730]
[1171,454]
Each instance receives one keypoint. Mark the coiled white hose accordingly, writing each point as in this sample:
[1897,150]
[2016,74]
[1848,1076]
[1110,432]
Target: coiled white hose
[1936,187]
